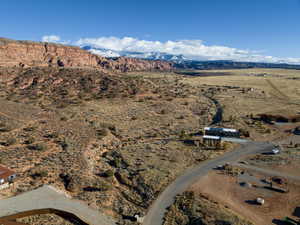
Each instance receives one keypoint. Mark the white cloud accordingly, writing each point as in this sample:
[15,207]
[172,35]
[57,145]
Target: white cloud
[51,38]
[191,49]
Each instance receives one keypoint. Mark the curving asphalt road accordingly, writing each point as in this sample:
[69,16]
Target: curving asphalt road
[156,212]
[47,197]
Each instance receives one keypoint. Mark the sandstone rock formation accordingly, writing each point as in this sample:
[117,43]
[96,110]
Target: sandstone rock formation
[27,54]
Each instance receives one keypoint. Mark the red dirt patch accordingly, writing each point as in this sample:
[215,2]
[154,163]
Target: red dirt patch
[225,190]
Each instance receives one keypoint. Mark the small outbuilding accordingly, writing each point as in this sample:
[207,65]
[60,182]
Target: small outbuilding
[7,176]
[209,140]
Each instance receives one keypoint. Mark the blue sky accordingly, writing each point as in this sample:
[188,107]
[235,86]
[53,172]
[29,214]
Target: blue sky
[271,27]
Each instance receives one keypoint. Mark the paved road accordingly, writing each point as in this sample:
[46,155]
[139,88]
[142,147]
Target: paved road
[268,172]
[156,213]
[47,197]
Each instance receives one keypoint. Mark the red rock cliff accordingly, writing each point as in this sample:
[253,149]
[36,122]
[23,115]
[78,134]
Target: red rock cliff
[27,53]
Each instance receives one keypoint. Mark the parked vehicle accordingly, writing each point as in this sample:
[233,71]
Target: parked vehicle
[275,151]
[260,201]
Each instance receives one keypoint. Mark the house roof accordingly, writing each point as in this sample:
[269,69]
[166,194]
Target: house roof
[211,137]
[5,172]
[220,129]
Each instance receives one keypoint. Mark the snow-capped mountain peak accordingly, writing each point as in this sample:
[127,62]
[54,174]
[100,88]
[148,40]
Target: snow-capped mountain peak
[143,55]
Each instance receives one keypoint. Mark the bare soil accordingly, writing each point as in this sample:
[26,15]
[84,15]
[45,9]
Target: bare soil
[225,190]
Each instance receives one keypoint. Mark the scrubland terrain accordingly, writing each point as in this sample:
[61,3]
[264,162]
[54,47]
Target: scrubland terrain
[44,219]
[116,141]
[113,141]
[243,95]
[246,93]
[195,208]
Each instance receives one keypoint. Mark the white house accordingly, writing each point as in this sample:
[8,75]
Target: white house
[222,132]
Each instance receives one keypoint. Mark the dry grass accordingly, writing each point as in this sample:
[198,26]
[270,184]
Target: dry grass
[194,208]
[126,124]
[250,92]
[281,79]
[129,124]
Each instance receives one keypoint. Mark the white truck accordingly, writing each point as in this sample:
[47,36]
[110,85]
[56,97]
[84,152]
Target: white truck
[275,151]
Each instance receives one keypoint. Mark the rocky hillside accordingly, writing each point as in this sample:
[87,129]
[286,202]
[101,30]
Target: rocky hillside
[65,86]
[111,141]
[28,54]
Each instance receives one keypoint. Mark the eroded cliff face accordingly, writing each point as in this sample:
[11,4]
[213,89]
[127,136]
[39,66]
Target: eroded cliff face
[27,54]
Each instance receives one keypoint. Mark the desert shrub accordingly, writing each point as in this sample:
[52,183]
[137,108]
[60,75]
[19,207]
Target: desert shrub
[52,135]
[225,146]
[232,170]
[10,96]
[101,132]
[163,111]
[100,186]
[63,118]
[62,92]
[61,105]
[37,147]
[104,186]
[232,118]
[28,129]
[75,101]
[181,117]
[183,135]
[29,141]
[62,142]
[108,173]
[149,98]
[268,131]
[133,118]
[96,96]
[116,162]
[125,95]
[110,126]
[4,127]
[38,173]
[10,141]
[247,134]
[43,173]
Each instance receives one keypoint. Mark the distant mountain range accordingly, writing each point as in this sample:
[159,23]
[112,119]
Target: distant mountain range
[143,55]
[227,64]
[181,62]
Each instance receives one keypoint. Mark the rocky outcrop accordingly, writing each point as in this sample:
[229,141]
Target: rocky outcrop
[28,54]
